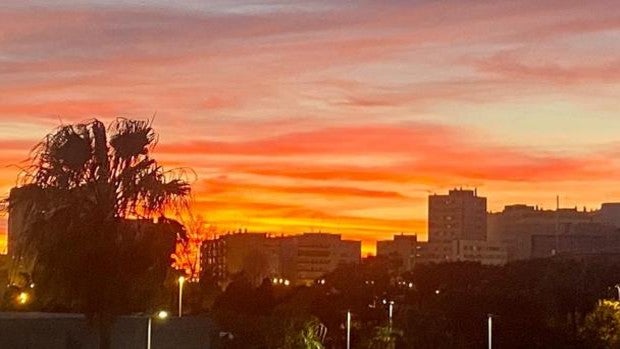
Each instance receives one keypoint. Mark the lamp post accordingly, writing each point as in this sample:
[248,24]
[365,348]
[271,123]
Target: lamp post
[161,315]
[390,311]
[618,288]
[490,330]
[348,329]
[181,282]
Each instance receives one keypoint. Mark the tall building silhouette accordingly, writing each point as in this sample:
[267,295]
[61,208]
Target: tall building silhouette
[460,215]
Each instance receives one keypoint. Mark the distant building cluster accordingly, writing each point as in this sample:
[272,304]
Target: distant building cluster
[531,232]
[457,231]
[461,229]
[297,259]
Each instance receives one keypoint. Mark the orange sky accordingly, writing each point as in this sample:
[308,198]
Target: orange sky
[332,116]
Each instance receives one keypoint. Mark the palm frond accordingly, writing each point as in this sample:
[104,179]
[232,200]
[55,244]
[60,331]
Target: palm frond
[131,138]
[73,205]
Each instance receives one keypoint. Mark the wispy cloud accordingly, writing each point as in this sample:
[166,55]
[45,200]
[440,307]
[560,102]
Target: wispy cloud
[334,109]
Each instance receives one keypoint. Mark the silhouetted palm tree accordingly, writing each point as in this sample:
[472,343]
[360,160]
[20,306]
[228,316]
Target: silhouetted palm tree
[84,216]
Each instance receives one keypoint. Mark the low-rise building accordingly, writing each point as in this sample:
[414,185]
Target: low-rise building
[433,252]
[530,232]
[256,254]
[410,252]
[318,254]
[296,259]
[4,274]
[401,250]
[610,214]
[484,252]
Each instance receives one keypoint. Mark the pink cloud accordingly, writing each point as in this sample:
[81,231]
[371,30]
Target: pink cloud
[318,99]
[421,149]
[509,66]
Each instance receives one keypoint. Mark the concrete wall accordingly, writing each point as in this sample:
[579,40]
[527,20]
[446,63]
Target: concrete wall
[71,331]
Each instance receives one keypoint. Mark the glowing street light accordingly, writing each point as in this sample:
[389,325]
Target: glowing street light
[281,281]
[181,282]
[23,298]
[618,288]
[161,315]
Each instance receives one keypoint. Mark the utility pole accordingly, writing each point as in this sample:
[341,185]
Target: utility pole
[490,330]
[148,332]
[348,329]
[181,282]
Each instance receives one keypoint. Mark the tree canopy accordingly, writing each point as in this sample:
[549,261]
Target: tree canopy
[89,218]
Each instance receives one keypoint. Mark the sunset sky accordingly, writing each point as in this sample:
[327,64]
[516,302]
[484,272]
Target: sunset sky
[339,116]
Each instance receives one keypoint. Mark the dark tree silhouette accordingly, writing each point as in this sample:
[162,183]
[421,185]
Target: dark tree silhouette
[84,219]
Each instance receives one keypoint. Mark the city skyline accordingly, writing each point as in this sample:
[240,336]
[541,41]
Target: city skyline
[311,115]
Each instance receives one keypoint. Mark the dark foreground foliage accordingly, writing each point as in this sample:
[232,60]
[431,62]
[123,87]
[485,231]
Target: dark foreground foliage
[536,304]
[84,218]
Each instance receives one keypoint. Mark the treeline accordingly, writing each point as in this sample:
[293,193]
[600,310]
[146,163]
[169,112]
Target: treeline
[547,303]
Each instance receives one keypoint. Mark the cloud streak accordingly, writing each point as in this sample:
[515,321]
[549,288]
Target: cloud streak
[348,112]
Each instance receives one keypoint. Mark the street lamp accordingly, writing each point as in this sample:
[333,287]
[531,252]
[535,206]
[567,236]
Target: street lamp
[490,330]
[618,288]
[348,329]
[281,281]
[181,282]
[161,315]
[23,298]
[390,311]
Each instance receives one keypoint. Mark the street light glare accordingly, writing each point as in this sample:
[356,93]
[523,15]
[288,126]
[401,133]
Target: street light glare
[181,279]
[23,298]
[162,314]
